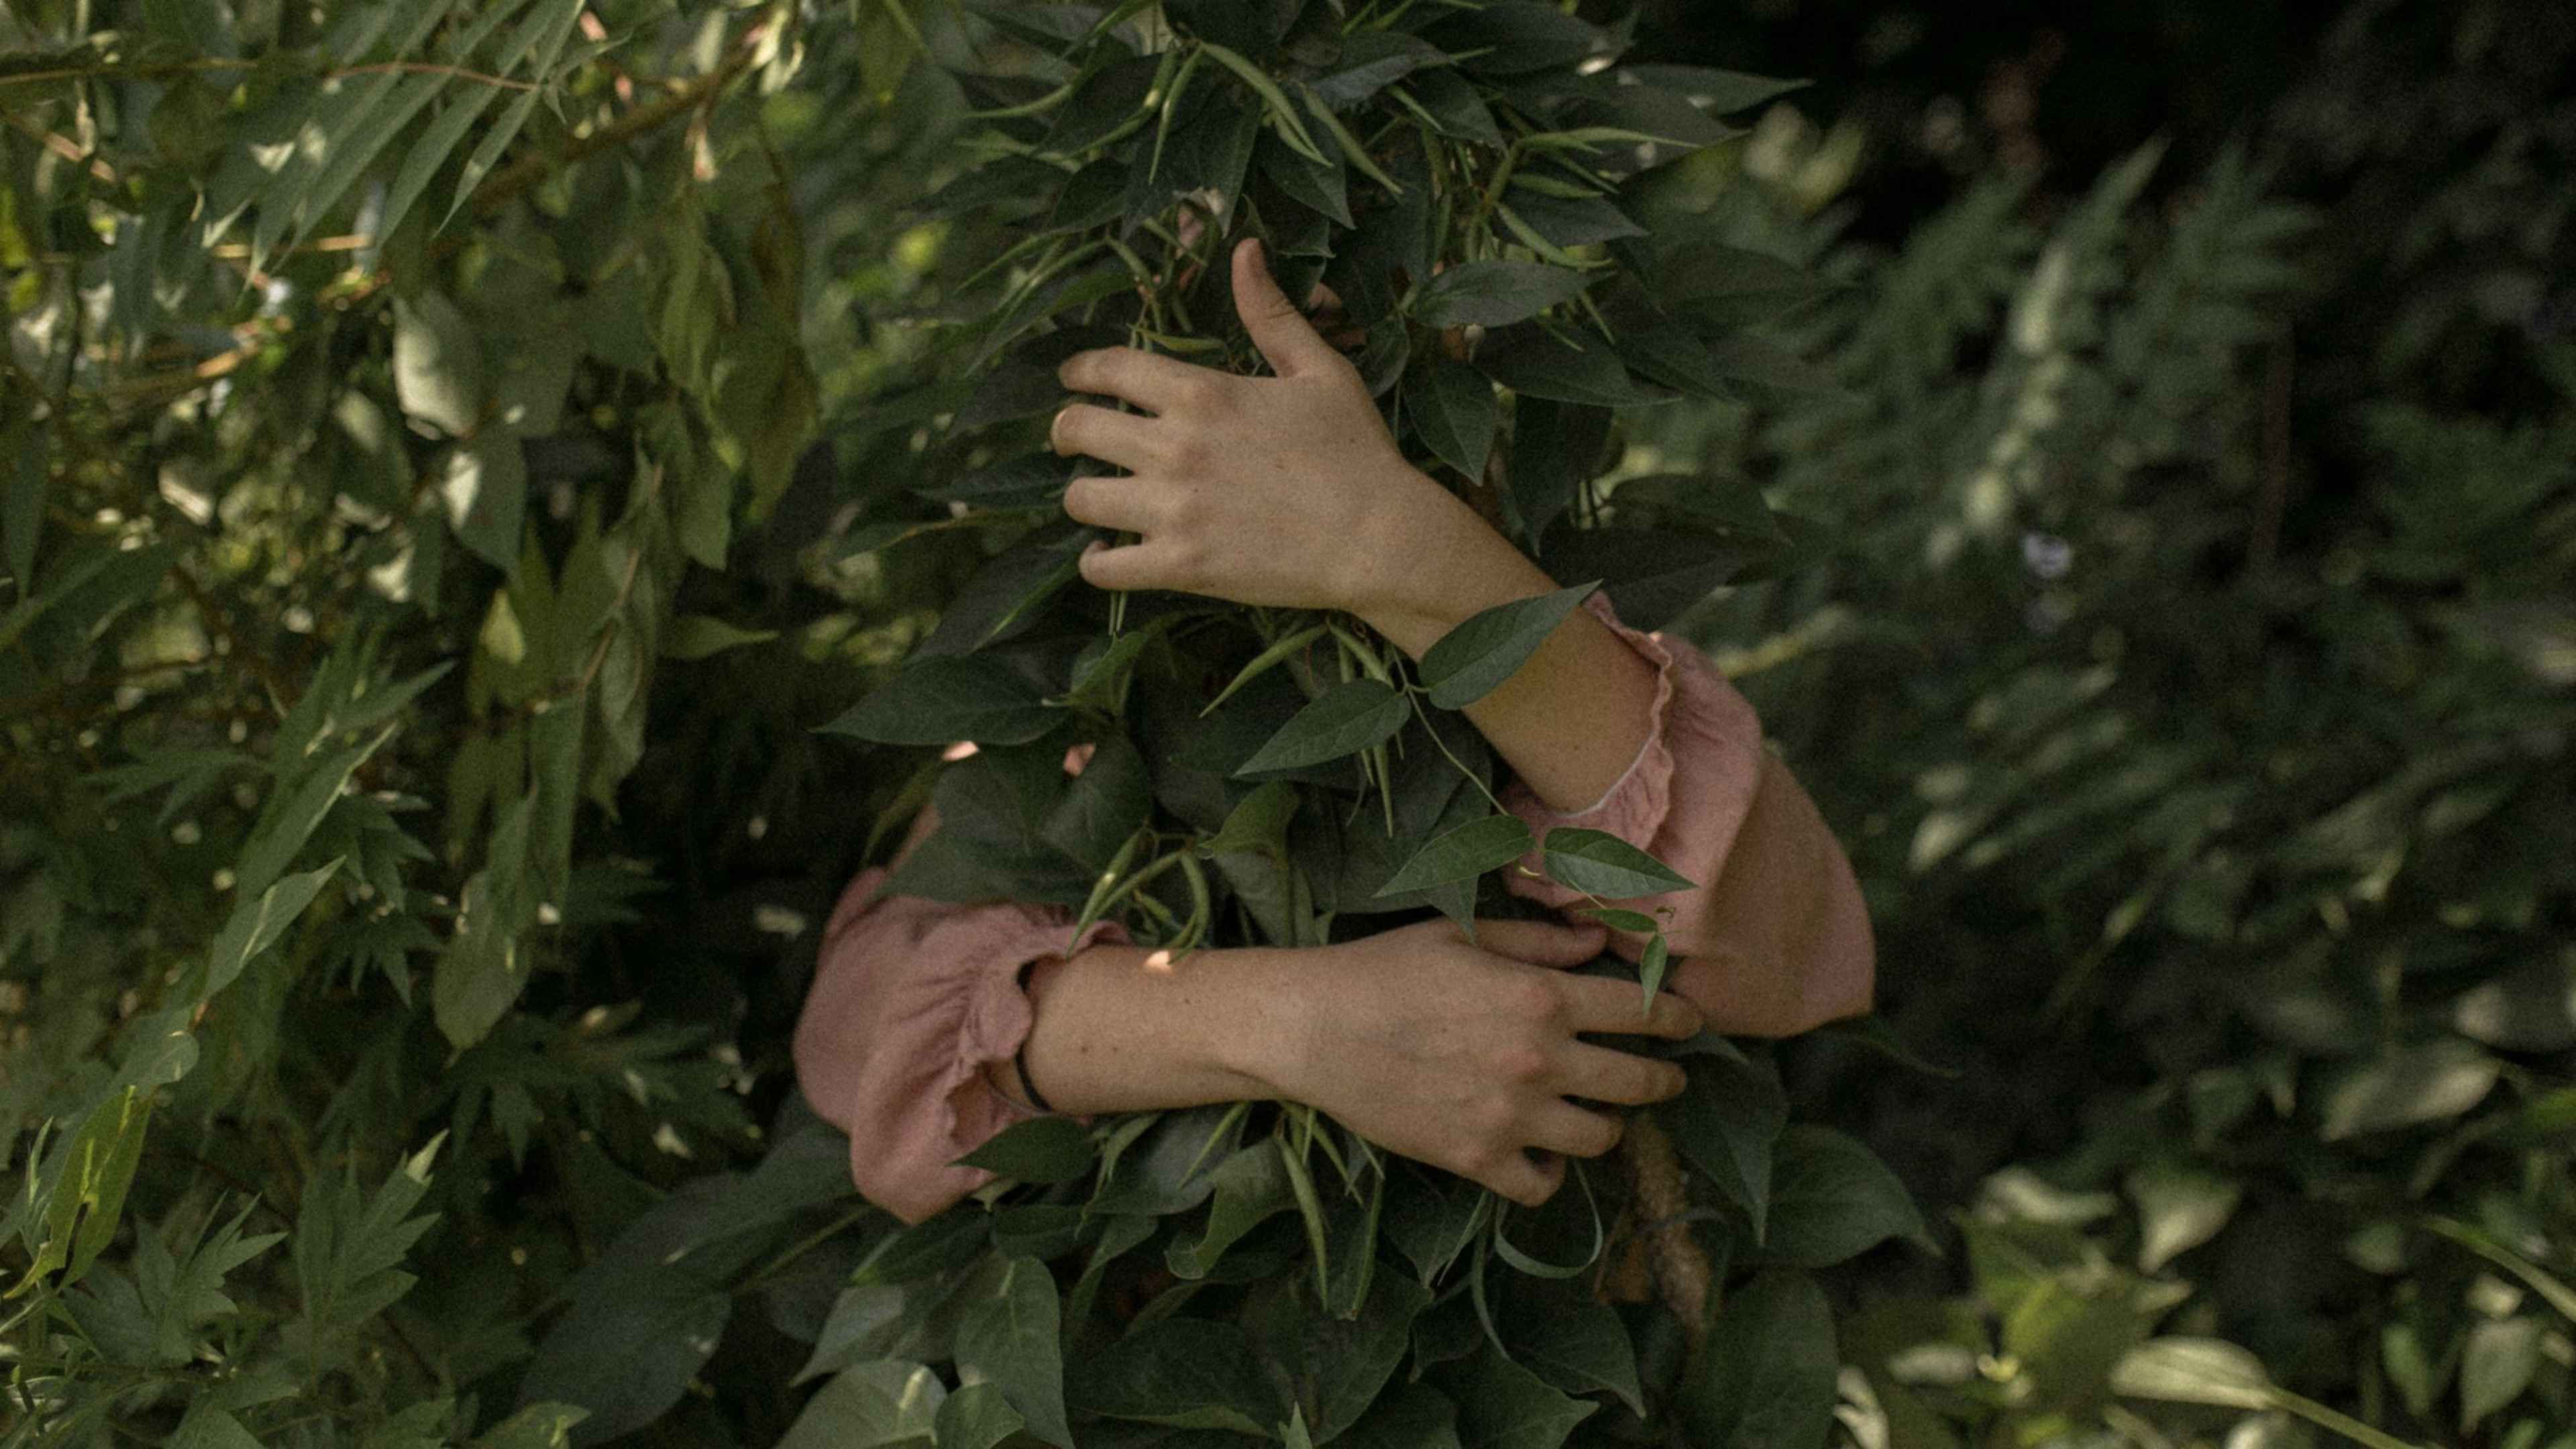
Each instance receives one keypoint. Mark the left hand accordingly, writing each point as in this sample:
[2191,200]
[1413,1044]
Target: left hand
[1284,491]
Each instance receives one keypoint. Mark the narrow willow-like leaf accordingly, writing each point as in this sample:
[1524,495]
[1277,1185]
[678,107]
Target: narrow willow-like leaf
[1262,663]
[1603,864]
[1344,722]
[1274,100]
[1463,854]
[1472,660]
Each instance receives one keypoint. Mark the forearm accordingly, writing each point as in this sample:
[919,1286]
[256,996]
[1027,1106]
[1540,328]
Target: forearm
[1572,719]
[1125,1029]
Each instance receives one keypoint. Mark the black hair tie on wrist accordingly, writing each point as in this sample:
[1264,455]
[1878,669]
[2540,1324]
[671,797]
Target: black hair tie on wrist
[1020,1059]
[1020,1056]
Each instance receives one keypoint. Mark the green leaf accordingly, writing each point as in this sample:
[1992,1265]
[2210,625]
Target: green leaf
[1502,1405]
[82,1192]
[1513,37]
[1041,1149]
[1605,865]
[2194,1371]
[538,1426]
[1494,293]
[2179,1208]
[2408,1086]
[1464,853]
[1102,105]
[1454,412]
[1187,1373]
[1292,127]
[2496,1364]
[1473,659]
[1281,649]
[1258,823]
[438,364]
[1346,720]
[1728,1124]
[430,151]
[941,700]
[1370,60]
[1411,1416]
[1012,1340]
[1652,965]
[1576,1342]
[699,636]
[1453,106]
[539,39]
[1765,1377]
[1723,92]
[348,1247]
[1251,1187]
[1555,448]
[1536,363]
[290,816]
[977,1416]
[1353,1353]
[1832,1199]
[254,926]
[483,484]
[871,1406]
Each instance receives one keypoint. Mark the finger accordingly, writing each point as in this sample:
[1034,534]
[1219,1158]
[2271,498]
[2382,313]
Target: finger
[1542,943]
[1564,1127]
[1131,504]
[1525,1182]
[1323,299]
[1282,332]
[1600,1003]
[1125,439]
[1137,566]
[1603,1075]
[1147,379]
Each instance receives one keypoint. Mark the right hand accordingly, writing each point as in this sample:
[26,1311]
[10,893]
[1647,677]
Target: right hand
[1461,1054]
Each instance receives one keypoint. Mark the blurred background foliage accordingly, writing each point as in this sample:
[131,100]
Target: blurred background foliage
[2185,647]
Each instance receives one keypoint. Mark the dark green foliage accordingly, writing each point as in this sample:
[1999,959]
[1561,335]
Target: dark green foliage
[509,540]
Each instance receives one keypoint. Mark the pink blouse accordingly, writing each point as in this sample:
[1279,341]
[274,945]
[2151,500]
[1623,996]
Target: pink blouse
[913,999]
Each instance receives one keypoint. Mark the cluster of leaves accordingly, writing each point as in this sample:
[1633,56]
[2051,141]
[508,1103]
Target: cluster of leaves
[1467,180]
[443,487]
[2219,822]
[380,383]
[375,374]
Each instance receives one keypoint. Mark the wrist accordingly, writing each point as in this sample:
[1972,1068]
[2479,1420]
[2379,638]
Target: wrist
[1258,1031]
[1445,564]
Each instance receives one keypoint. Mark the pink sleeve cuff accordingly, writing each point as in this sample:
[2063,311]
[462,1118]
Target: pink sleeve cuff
[1683,797]
[1772,938]
[911,1000]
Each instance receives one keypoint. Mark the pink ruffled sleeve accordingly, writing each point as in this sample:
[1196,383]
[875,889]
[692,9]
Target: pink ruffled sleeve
[912,999]
[1774,939]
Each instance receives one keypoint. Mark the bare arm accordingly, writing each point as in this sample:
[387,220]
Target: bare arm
[1286,490]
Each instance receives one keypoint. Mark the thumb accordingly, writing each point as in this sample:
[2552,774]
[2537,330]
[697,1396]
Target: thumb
[1542,943]
[1282,332]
